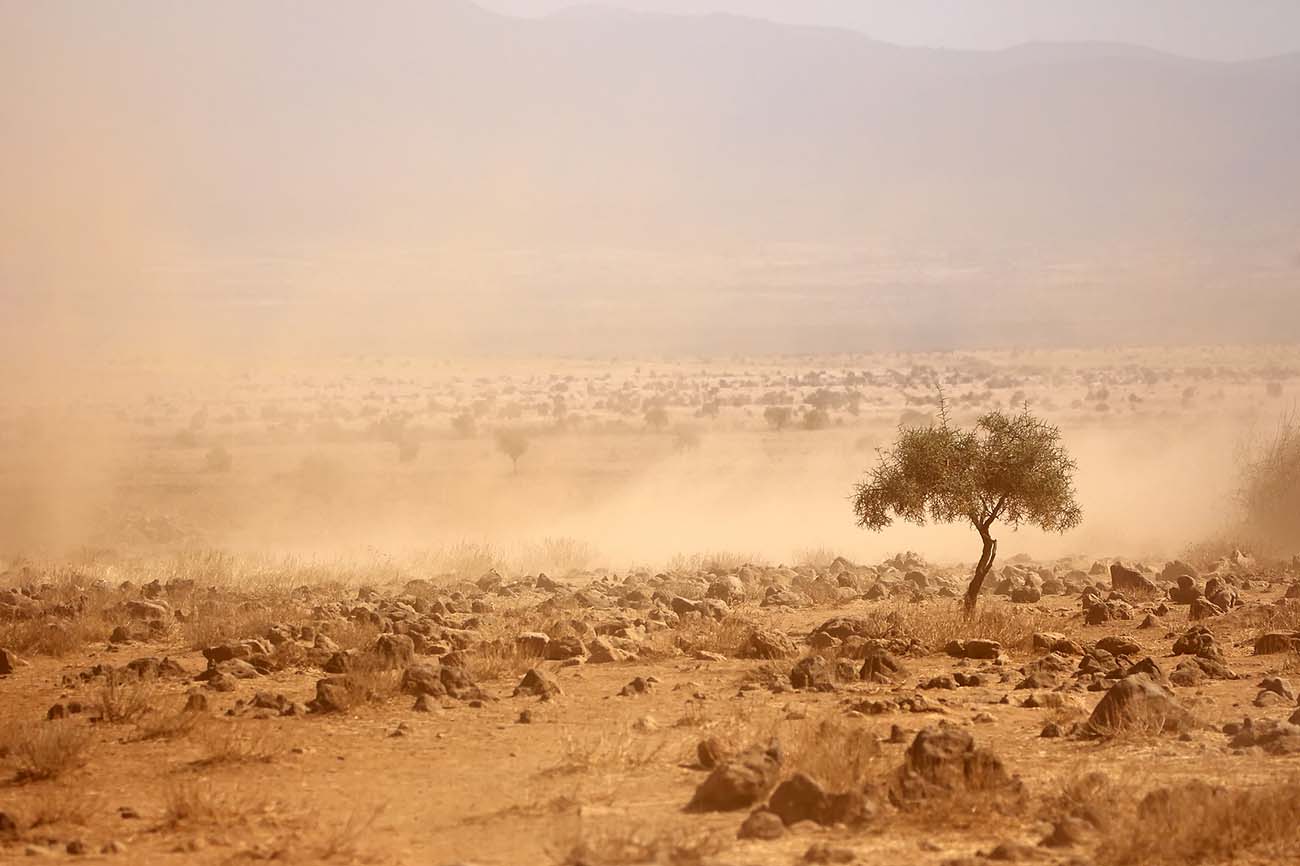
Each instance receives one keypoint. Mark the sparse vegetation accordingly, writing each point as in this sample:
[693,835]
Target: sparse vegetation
[1009,468]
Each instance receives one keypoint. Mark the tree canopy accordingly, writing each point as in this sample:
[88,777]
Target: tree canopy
[1011,469]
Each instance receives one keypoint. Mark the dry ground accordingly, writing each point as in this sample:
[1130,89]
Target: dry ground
[594,776]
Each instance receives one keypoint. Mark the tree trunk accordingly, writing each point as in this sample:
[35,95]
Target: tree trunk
[981,570]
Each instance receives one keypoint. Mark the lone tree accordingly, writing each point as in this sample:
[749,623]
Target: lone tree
[513,444]
[1011,468]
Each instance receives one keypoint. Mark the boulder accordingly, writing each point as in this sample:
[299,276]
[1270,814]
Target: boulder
[1140,702]
[739,781]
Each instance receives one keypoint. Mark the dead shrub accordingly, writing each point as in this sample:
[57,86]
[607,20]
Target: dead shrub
[623,846]
[123,698]
[223,742]
[44,750]
[1197,822]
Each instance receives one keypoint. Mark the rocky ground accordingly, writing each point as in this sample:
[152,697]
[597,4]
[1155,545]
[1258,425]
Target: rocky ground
[1088,713]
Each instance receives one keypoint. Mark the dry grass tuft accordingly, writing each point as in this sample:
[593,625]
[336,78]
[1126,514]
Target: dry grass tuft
[607,750]
[1201,823]
[624,846]
[123,698]
[223,742]
[936,624]
[44,750]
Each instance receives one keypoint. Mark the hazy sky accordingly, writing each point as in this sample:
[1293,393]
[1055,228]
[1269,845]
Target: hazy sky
[1219,29]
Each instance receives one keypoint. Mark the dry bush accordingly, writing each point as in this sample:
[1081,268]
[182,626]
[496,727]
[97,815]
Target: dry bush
[726,636]
[1270,488]
[123,698]
[497,659]
[371,681]
[344,840]
[68,808]
[223,742]
[353,634]
[215,622]
[199,802]
[815,557]
[607,750]
[44,750]
[553,555]
[169,723]
[1092,797]
[716,562]
[937,623]
[1201,823]
[624,846]
[841,753]
[54,637]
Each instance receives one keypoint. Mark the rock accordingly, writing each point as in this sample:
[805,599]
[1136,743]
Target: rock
[1198,641]
[1067,832]
[538,683]
[638,686]
[1109,610]
[945,760]
[1265,644]
[823,852]
[802,798]
[423,679]
[1186,591]
[767,644]
[880,666]
[1280,685]
[8,826]
[1203,609]
[711,751]
[1194,670]
[1119,645]
[1275,738]
[603,651]
[560,649]
[762,824]
[813,672]
[395,650]
[532,643]
[1026,595]
[739,781]
[975,648]
[332,695]
[1124,579]
[1138,702]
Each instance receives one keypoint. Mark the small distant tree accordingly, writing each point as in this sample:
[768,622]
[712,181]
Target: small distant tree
[408,449]
[778,417]
[513,444]
[464,425]
[1010,468]
[816,419]
[218,459]
[656,418]
[1270,488]
[686,438]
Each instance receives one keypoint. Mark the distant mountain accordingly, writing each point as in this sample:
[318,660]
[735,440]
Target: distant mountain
[801,185]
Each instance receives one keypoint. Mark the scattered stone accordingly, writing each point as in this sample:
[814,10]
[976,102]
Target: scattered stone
[538,683]
[8,662]
[945,760]
[739,781]
[762,824]
[813,673]
[1138,702]
[638,686]
[975,648]
[1124,579]
[880,666]
[1274,642]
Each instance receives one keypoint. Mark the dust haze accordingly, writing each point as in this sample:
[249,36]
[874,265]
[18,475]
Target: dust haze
[353,214]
